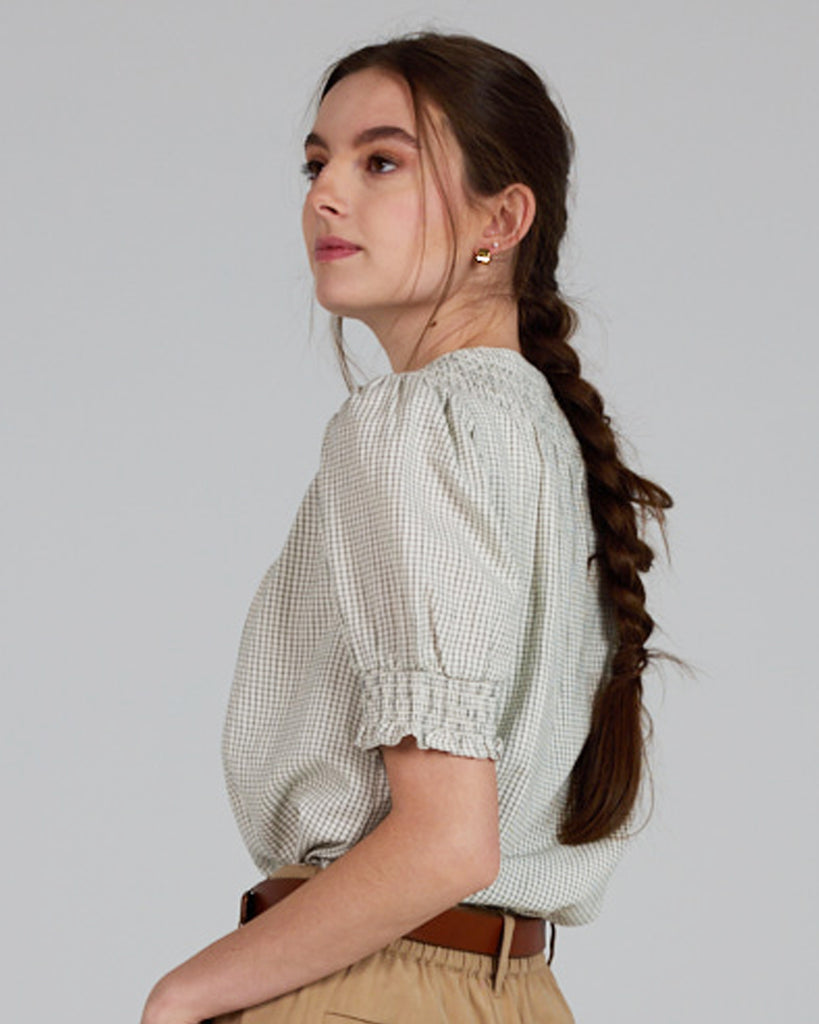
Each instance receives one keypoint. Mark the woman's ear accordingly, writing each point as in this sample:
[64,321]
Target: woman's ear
[511,214]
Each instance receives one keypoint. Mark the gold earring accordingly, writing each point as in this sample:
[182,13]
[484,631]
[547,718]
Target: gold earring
[483,256]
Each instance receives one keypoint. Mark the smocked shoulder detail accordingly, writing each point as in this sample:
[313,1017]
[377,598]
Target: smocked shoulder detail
[502,374]
[490,371]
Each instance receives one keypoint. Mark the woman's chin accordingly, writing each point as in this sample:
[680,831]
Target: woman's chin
[338,305]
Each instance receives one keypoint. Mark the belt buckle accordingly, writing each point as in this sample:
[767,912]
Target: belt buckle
[247,907]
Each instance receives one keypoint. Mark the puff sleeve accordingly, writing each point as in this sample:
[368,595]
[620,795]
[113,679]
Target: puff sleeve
[426,586]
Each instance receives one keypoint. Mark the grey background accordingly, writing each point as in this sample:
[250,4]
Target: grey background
[163,399]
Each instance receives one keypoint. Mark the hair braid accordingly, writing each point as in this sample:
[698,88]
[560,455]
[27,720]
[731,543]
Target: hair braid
[606,778]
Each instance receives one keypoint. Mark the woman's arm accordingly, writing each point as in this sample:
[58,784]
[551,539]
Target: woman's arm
[438,844]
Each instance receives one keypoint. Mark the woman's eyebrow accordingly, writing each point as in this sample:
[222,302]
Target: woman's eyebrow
[381,131]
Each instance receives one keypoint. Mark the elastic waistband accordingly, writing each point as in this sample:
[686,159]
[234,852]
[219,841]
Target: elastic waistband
[482,965]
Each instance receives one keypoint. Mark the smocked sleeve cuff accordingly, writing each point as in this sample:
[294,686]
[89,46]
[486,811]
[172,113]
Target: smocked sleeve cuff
[454,715]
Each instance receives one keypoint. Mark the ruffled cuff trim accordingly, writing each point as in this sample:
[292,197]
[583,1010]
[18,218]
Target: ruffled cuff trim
[455,715]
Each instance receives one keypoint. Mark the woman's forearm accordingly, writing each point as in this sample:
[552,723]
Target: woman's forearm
[393,880]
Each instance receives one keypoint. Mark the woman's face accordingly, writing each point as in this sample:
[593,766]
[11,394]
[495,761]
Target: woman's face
[368,205]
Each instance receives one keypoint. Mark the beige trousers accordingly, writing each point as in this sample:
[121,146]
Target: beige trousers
[411,982]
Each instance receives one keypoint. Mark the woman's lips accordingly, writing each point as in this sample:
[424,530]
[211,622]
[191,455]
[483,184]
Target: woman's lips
[332,248]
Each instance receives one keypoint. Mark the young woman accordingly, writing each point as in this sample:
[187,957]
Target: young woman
[433,744]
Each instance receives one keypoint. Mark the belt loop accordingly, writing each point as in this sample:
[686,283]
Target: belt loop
[552,934]
[503,957]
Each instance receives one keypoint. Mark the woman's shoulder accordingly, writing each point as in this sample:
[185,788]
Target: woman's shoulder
[482,379]
[480,404]
[394,409]
[412,430]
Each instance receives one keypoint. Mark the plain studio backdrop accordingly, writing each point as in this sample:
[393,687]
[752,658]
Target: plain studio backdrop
[164,393]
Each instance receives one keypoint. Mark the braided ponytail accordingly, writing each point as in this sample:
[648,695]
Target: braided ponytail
[605,781]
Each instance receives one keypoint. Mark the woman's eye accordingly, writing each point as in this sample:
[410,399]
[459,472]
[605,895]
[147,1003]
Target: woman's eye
[311,169]
[381,164]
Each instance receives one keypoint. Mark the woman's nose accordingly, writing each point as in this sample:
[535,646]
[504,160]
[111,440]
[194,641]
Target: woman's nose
[327,193]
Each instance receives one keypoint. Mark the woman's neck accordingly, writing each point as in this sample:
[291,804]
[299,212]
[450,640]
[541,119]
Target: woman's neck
[457,324]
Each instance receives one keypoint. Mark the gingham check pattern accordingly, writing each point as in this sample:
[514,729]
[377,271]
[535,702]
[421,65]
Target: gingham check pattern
[434,583]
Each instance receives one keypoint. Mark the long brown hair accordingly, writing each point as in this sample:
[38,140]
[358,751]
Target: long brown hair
[510,130]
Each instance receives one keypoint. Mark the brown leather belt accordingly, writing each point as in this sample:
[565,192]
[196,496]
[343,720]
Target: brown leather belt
[474,929]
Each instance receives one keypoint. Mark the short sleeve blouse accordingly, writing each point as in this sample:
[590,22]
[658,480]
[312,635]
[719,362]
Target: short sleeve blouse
[429,591]
[435,583]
